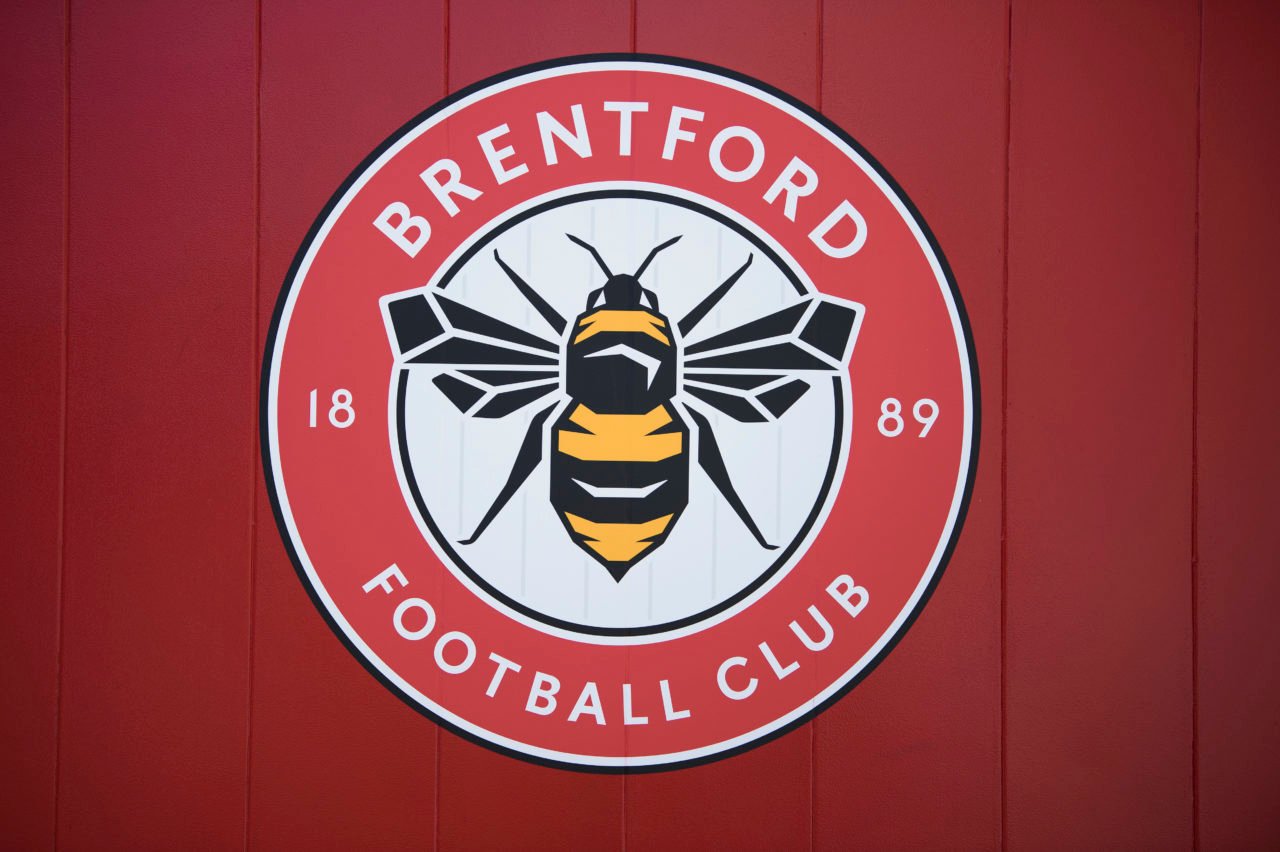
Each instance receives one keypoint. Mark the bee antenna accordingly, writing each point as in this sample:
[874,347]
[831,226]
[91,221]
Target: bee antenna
[654,254]
[594,253]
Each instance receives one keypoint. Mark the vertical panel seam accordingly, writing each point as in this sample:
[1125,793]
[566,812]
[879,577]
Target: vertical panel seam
[635,39]
[1195,454]
[819,55]
[435,809]
[62,414]
[813,783]
[445,15]
[254,366]
[1004,435]
[813,724]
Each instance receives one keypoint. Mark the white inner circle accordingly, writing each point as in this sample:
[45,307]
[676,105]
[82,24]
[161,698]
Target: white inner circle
[460,463]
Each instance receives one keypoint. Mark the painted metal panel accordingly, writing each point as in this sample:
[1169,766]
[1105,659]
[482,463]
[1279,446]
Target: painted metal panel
[922,734]
[1102,216]
[159,485]
[1098,660]
[1237,456]
[541,808]
[337,761]
[763,799]
[32,267]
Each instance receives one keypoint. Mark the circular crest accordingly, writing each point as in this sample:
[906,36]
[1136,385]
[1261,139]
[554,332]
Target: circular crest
[619,413]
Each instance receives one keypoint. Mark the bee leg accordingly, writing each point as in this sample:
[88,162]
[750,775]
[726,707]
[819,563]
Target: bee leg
[526,460]
[710,460]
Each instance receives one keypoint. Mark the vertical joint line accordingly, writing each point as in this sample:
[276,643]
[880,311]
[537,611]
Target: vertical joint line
[813,723]
[62,414]
[435,793]
[445,51]
[256,196]
[818,53]
[435,810]
[1195,453]
[1004,436]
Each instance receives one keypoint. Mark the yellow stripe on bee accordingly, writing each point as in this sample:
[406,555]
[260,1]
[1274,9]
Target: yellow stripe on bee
[620,437]
[618,542]
[641,321]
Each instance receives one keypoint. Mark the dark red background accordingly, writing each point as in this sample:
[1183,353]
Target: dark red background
[1100,665]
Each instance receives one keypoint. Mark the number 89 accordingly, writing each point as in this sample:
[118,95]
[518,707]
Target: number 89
[925,412]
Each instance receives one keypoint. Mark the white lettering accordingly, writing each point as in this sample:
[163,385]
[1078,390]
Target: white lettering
[668,708]
[414,603]
[495,156]
[380,581]
[780,671]
[675,133]
[841,595]
[624,109]
[717,147]
[468,658]
[588,702]
[451,186]
[542,694]
[398,234]
[627,717]
[844,210]
[722,680]
[785,183]
[550,129]
[504,665]
[827,633]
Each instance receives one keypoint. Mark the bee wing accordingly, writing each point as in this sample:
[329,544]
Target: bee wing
[754,373]
[816,334]
[485,367]
[495,393]
[747,397]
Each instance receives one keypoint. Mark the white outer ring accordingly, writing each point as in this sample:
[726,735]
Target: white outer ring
[538,751]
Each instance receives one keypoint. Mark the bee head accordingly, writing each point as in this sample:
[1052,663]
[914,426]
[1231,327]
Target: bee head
[622,292]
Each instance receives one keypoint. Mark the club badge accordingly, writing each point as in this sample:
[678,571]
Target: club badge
[619,413]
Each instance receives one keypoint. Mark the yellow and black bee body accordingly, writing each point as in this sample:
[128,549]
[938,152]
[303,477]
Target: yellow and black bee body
[620,443]
[620,462]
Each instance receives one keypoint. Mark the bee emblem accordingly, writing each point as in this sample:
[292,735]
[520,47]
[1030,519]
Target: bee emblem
[627,394]
[565,436]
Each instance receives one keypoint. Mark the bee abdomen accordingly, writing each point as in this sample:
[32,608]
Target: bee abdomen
[618,543]
[619,492]
[619,482]
[647,437]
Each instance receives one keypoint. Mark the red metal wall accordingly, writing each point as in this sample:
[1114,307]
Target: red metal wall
[1099,667]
